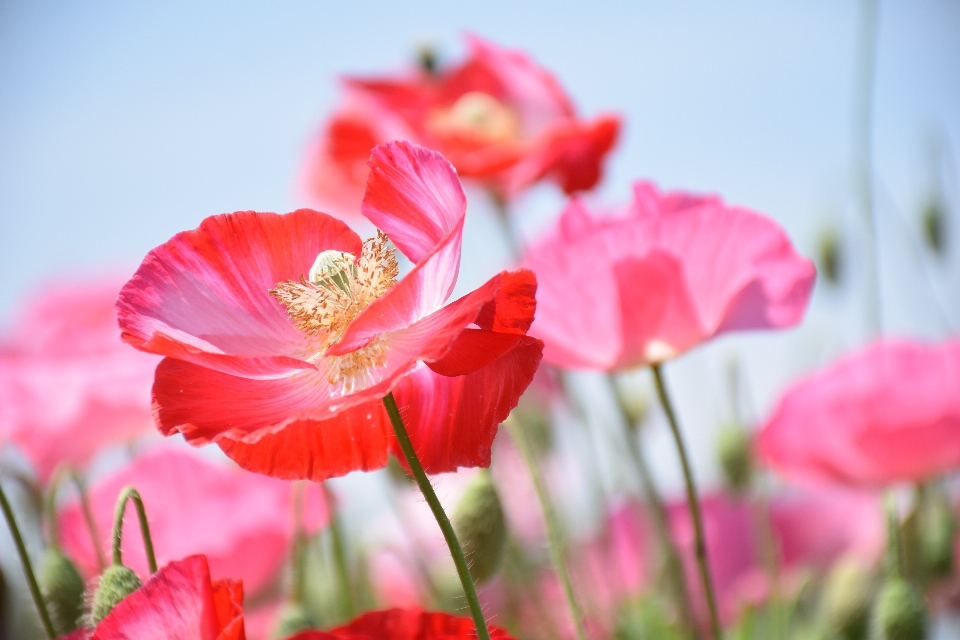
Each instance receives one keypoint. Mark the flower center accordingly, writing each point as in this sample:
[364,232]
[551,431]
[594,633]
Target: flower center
[477,116]
[339,287]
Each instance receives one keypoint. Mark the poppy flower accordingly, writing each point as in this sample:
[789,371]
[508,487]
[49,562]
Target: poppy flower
[179,602]
[888,413]
[68,385]
[286,374]
[195,505]
[403,624]
[500,118]
[666,274]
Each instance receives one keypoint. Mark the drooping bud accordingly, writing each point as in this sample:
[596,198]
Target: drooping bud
[116,583]
[734,449]
[933,222]
[830,254]
[62,590]
[899,612]
[333,268]
[845,604]
[293,620]
[481,526]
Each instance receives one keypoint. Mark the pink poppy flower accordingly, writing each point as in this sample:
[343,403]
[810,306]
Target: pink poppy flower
[195,505]
[179,602]
[286,375]
[888,413]
[403,624]
[500,119]
[68,385]
[668,273]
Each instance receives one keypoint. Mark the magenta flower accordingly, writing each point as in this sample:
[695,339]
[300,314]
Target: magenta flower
[888,413]
[242,522]
[68,385]
[669,272]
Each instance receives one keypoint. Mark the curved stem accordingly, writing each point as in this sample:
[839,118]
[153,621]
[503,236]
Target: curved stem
[127,494]
[27,566]
[554,534]
[469,590]
[700,545]
[658,511]
[339,553]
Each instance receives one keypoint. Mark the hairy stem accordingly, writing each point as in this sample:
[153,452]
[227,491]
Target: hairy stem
[27,566]
[700,545]
[456,551]
[129,493]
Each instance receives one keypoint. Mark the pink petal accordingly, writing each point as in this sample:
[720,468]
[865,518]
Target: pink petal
[194,506]
[203,296]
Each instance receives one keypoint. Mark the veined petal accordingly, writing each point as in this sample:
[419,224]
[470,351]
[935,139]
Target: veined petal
[203,296]
[414,196]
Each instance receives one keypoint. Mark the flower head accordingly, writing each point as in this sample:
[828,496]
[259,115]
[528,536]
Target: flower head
[888,413]
[500,119]
[179,602]
[282,333]
[668,273]
[68,385]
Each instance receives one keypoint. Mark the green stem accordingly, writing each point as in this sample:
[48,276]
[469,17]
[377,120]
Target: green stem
[894,556]
[456,551]
[51,511]
[658,511]
[340,554]
[27,566]
[299,545]
[127,494]
[554,534]
[699,543]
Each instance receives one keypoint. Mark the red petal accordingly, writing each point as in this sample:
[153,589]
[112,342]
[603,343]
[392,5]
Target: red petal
[473,349]
[403,624]
[176,603]
[513,309]
[356,439]
[202,296]
[452,421]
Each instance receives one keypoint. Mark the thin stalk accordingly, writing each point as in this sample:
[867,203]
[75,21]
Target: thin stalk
[661,522]
[340,554]
[27,566]
[129,493]
[51,512]
[554,533]
[456,551]
[700,545]
[299,545]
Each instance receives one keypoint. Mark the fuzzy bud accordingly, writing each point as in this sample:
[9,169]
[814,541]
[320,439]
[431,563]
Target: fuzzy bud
[116,583]
[899,612]
[62,589]
[481,527]
[293,620]
[734,448]
[845,607]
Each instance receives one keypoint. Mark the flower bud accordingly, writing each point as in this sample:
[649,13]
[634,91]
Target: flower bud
[933,226]
[293,620]
[734,448]
[845,604]
[62,589]
[116,583]
[830,256]
[899,612]
[938,528]
[480,525]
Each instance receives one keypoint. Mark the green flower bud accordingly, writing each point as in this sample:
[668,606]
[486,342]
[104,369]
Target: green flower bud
[116,583]
[899,612]
[293,620]
[938,528]
[62,589]
[845,604]
[734,448]
[481,527]
[830,258]
[933,226]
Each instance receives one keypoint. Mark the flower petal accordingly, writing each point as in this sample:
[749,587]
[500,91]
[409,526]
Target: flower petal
[203,296]
[403,624]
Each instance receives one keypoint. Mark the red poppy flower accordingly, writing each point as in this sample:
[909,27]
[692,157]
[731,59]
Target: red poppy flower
[286,374]
[179,602]
[670,272]
[68,385]
[195,505]
[403,624]
[499,117]
[889,413]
